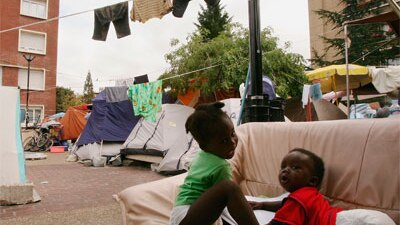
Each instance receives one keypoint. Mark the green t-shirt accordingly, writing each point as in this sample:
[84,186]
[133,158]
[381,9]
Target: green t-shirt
[206,170]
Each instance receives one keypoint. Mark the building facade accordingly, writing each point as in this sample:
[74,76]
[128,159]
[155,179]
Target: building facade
[319,27]
[26,32]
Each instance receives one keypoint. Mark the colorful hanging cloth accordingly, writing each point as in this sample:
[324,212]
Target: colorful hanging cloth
[146,99]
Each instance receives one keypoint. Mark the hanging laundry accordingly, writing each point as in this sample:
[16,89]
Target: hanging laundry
[141,79]
[146,99]
[144,10]
[124,82]
[179,6]
[118,14]
[306,94]
[315,92]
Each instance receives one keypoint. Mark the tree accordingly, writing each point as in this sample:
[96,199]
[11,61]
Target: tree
[230,51]
[370,43]
[65,98]
[212,21]
[88,93]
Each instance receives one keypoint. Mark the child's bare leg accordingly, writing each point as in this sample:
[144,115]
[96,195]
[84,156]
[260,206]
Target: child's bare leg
[209,206]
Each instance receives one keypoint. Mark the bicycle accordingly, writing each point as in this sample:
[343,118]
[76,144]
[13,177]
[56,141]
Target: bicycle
[40,141]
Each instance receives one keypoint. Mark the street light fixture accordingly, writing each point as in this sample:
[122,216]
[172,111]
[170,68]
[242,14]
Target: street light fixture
[28,58]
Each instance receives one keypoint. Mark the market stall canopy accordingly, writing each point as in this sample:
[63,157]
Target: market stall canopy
[333,77]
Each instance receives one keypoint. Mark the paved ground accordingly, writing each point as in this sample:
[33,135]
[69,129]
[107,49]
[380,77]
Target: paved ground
[74,194]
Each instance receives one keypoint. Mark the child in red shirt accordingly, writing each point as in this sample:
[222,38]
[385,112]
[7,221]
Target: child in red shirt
[301,174]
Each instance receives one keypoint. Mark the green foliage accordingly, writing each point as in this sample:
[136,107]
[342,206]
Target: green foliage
[212,21]
[370,44]
[65,98]
[88,93]
[230,51]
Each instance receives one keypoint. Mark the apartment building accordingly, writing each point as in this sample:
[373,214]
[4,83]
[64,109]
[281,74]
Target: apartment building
[319,27]
[25,33]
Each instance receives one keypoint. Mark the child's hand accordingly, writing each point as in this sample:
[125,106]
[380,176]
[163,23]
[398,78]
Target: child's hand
[255,205]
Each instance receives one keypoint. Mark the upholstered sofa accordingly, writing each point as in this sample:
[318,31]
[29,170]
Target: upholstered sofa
[361,157]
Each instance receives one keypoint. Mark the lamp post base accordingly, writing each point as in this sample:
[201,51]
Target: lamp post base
[260,109]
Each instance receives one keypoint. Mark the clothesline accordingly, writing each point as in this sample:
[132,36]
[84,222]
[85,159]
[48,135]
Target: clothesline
[194,71]
[179,75]
[54,18]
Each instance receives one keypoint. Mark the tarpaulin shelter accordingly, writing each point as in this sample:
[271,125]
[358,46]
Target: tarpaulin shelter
[333,77]
[386,79]
[165,140]
[73,122]
[109,123]
[268,87]
[190,98]
[57,115]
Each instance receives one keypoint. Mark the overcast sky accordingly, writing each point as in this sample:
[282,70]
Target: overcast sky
[143,51]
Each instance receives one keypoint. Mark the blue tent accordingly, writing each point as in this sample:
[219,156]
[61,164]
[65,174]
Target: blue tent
[268,87]
[109,121]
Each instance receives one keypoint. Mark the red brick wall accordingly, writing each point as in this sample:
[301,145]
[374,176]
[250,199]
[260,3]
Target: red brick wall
[10,17]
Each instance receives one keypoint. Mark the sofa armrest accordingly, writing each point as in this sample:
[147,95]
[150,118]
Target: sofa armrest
[149,203]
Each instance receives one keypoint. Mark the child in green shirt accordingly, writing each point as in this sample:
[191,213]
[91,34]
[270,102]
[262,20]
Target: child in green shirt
[196,203]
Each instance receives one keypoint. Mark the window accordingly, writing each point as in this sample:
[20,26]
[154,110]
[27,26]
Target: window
[34,114]
[36,79]
[32,42]
[34,8]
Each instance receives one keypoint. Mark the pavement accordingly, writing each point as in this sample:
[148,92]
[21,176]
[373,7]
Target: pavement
[72,193]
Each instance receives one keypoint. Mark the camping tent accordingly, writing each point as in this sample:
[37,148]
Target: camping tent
[12,162]
[166,138]
[232,108]
[110,123]
[73,122]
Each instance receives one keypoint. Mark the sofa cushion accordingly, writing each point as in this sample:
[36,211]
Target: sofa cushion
[151,201]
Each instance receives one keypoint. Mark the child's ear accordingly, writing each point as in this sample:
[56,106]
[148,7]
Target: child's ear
[314,181]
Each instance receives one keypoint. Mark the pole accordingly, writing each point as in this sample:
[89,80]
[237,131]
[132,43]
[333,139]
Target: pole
[256,104]
[255,49]
[347,70]
[28,58]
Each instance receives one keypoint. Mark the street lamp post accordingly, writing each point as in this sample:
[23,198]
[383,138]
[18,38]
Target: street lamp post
[257,105]
[28,58]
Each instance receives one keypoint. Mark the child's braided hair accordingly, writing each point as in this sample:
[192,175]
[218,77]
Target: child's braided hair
[203,121]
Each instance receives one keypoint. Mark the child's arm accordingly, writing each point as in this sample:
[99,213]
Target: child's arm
[268,206]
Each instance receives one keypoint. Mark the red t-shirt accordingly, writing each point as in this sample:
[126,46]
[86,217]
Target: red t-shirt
[306,206]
